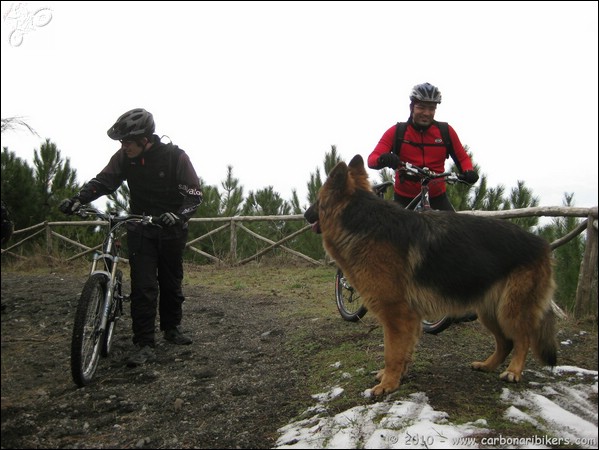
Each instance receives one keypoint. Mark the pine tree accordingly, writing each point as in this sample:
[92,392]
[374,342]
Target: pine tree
[54,179]
[522,197]
[19,191]
[232,200]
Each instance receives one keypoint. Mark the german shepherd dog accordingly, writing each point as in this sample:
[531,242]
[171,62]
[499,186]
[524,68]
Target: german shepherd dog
[409,265]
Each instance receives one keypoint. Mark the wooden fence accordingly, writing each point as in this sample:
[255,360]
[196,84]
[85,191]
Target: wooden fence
[586,293]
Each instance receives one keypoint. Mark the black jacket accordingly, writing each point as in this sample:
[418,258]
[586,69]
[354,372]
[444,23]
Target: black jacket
[162,179]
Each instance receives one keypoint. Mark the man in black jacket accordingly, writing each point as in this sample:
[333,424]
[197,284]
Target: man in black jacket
[163,183]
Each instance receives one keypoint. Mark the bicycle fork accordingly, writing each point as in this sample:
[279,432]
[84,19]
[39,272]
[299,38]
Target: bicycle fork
[110,270]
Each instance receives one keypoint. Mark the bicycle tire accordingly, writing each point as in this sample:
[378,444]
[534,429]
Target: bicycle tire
[436,326]
[86,343]
[349,302]
[116,310]
[351,308]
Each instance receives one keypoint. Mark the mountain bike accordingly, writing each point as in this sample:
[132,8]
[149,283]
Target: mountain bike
[349,302]
[101,302]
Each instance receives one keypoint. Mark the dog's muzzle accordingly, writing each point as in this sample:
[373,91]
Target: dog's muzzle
[311,215]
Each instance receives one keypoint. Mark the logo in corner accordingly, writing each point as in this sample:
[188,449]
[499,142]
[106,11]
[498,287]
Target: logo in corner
[24,21]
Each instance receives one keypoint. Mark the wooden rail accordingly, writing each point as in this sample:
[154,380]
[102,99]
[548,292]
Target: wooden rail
[586,293]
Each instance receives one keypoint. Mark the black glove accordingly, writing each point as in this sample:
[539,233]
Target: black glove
[390,160]
[469,176]
[168,219]
[70,205]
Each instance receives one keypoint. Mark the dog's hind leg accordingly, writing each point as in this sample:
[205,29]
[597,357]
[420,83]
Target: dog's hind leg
[526,316]
[401,333]
[533,327]
[503,345]
[513,320]
[513,373]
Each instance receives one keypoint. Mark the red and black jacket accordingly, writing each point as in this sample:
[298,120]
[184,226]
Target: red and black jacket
[422,155]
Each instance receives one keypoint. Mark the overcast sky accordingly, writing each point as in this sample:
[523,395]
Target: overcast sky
[268,87]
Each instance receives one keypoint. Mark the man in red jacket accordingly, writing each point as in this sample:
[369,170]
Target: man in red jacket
[423,147]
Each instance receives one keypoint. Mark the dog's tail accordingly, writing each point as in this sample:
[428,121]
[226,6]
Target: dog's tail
[545,345]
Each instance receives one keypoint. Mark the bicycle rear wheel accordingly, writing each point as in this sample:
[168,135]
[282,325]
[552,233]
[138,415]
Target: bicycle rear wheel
[116,310]
[87,337]
[436,326]
[349,302]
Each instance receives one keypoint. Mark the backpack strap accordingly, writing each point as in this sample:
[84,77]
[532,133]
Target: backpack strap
[444,128]
[174,154]
[400,131]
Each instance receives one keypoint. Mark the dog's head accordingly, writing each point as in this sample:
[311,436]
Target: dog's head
[343,181]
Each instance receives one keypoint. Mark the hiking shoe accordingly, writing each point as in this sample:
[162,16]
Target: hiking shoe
[141,355]
[175,336]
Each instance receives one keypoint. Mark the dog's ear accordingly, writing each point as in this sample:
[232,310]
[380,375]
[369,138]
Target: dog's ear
[338,177]
[357,172]
[356,162]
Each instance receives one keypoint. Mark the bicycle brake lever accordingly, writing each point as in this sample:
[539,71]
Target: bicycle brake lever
[146,220]
[83,212]
[408,167]
[151,220]
[428,172]
[453,178]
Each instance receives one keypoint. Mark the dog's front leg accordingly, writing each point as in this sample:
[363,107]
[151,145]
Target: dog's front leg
[401,333]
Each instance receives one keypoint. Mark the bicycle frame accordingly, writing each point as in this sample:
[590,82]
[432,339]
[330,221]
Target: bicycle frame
[422,200]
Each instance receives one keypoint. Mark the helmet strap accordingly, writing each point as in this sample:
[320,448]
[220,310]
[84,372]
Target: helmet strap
[148,143]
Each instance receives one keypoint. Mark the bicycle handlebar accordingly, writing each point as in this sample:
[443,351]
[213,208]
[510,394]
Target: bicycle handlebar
[425,174]
[86,211]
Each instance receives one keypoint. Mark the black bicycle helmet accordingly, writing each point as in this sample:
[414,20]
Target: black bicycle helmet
[133,124]
[425,92]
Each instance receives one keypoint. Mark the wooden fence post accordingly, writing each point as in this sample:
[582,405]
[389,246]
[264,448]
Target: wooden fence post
[48,237]
[233,248]
[586,291]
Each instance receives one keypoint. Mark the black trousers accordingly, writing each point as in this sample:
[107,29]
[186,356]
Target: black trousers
[156,279]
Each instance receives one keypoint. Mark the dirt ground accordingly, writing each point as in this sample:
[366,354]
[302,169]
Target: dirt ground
[232,388]
[229,389]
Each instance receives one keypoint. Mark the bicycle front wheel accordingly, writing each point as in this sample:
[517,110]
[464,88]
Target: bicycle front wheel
[349,302]
[87,335]
[116,310]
